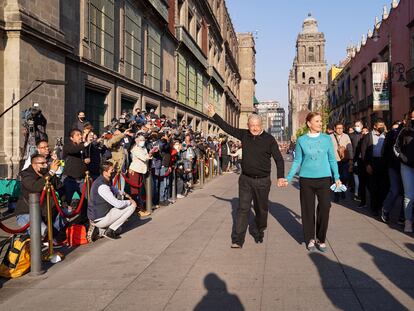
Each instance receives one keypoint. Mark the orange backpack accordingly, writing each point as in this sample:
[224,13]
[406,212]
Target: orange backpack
[76,235]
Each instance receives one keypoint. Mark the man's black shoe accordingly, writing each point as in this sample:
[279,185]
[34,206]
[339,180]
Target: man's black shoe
[258,239]
[110,234]
[385,217]
[164,203]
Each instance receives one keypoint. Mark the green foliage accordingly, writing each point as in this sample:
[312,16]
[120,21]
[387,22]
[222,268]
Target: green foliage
[301,131]
[325,113]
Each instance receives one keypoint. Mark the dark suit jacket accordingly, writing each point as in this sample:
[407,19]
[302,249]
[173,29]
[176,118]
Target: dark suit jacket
[32,183]
[367,149]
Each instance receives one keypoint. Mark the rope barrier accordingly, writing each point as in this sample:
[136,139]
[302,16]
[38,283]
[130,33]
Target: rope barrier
[116,179]
[78,208]
[26,226]
[14,231]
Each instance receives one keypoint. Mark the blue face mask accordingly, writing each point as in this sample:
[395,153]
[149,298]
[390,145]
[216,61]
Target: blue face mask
[357,129]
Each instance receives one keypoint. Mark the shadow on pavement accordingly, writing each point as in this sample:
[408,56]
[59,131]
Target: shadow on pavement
[410,246]
[288,219]
[217,297]
[376,297]
[133,223]
[397,269]
[234,206]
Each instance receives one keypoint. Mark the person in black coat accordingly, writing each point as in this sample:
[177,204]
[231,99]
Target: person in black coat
[74,154]
[394,174]
[254,182]
[33,181]
[374,162]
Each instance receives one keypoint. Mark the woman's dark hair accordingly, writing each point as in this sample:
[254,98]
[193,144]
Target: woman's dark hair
[310,116]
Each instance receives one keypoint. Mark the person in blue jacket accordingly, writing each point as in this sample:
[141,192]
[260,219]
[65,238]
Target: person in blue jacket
[316,162]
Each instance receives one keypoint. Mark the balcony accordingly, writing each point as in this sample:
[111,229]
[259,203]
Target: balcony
[185,37]
[212,71]
[161,6]
[410,77]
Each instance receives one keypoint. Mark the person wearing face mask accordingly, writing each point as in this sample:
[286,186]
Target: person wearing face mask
[376,168]
[33,181]
[404,149]
[105,210]
[355,138]
[80,120]
[394,174]
[137,169]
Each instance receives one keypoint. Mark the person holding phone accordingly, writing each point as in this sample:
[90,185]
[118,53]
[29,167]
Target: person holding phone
[315,159]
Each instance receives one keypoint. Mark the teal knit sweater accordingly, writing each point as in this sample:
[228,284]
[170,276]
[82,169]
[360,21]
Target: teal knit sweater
[315,156]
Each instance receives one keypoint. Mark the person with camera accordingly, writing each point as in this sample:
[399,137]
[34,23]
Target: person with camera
[343,152]
[33,181]
[42,147]
[137,170]
[105,210]
[76,162]
[165,170]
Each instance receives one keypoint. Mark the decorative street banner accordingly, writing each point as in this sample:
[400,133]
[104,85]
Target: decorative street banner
[380,86]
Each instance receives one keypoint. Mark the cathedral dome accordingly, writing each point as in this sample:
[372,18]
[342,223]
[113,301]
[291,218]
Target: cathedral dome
[310,25]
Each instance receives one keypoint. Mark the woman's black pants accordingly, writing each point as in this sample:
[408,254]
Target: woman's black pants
[309,189]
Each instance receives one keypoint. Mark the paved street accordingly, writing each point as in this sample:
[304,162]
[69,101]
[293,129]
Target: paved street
[181,260]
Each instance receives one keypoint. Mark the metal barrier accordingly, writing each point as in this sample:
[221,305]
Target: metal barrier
[36,267]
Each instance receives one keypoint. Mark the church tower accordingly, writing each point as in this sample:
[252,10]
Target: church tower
[308,76]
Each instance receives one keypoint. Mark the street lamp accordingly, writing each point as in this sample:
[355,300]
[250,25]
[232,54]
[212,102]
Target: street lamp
[30,91]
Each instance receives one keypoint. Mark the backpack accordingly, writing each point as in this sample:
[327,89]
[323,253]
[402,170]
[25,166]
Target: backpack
[76,235]
[16,261]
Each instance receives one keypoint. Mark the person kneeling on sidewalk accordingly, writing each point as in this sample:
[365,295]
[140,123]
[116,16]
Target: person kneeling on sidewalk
[105,211]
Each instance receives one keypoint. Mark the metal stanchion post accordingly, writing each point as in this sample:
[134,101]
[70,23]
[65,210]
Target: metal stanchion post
[51,255]
[88,185]
[201,172]
[211,168]
[219,166]
[148,192]
[174,185]
[49,218]
[36,267]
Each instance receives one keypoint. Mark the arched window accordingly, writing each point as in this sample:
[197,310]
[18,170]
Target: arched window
[311,80]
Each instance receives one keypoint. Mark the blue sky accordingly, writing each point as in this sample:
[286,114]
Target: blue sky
[278,23]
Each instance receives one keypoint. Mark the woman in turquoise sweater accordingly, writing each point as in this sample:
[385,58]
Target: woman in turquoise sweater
[316,162]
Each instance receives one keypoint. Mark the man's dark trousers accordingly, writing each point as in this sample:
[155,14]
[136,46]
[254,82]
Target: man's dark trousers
[254,189]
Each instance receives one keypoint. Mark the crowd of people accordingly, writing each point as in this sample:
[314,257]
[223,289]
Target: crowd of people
[378,161]
[118,161]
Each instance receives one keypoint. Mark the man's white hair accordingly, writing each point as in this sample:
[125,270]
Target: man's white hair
[254,116]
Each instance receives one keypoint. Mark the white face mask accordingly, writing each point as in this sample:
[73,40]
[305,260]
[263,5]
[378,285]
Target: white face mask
[176,147]
[141,143]
[357,129]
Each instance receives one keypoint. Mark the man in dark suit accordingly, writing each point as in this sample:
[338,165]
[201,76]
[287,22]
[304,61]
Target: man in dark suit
[376,168]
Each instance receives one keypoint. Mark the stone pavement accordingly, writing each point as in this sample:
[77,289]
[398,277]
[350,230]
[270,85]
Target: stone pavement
[181,260]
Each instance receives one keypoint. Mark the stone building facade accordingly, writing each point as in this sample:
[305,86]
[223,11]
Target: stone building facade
[247,64]
[307,79]
[169,55]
